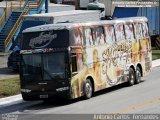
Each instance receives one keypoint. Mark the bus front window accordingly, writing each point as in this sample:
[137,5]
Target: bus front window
[47,66]
[31,67]
[54,66]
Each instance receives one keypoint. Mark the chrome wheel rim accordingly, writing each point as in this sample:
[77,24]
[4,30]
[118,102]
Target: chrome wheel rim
[132,79]
[138,76]
[88,90]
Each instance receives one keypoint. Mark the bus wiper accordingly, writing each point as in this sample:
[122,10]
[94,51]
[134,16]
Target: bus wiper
[42,69]
[45,72]
[48,74]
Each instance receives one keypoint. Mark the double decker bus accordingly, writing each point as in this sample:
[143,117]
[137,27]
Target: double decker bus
[77,59]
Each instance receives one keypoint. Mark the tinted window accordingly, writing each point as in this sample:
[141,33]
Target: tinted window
[76,38]
[74,63]
[119,32]
[129,32]
[31,67]
[48,66]
[109,31]
[54,66]
[88,37]
[98,35]
[138,30]
[45,39]
[145,29]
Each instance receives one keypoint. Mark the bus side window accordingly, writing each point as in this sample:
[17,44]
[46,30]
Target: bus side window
[76,38]
[101,36]
[98,35]
[109,32]
[138,30]
[119,31]
[129,32]
[74,63]
[87,37]
[145,29]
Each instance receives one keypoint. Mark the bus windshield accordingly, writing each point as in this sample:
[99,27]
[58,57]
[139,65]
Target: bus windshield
[48,66]
[45,39]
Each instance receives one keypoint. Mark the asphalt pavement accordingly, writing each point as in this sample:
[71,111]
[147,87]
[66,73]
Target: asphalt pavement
[140,99]
[6,73]
[3,60]
[17,98]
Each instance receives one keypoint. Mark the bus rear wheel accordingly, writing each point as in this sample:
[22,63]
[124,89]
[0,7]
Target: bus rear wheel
[138,75]
[131,77]
[88,89]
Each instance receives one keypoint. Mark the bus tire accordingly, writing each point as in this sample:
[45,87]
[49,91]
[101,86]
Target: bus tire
[88,89]
[25,98]
[138,76]
[131,77]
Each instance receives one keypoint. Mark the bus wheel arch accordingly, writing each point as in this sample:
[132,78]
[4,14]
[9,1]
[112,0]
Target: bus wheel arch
[139,74]
[131,76]
[88,87]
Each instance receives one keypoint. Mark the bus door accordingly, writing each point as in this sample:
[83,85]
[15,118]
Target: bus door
[77,72]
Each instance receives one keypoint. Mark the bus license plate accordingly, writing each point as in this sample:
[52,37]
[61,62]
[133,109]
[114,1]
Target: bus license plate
[43,96]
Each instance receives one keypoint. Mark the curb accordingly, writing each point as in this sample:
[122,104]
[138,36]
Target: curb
[18,98]
[155,63]
[10,100]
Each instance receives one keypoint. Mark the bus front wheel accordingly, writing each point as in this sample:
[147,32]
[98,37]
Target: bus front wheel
[88,89]
[131,77]
[25,98]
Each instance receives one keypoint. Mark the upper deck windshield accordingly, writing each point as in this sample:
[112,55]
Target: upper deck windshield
[45,39]
[48,66]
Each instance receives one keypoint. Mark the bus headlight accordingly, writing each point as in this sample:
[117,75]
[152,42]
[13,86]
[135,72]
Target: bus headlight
[62,89]
[26,90]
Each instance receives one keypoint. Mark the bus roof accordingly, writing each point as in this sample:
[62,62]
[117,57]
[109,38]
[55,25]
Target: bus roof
[67,26]
[61,13]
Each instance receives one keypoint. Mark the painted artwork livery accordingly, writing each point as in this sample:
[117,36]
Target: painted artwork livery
[42,40]
[90,57]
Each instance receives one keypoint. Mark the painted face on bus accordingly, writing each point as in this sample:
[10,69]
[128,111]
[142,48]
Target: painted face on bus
[95,56]
[77,36]
[96,66]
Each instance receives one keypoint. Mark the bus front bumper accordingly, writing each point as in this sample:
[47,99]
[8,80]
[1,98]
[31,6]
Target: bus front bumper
[45,95]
